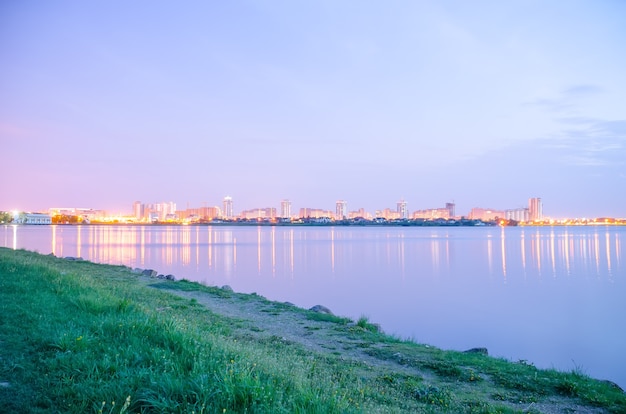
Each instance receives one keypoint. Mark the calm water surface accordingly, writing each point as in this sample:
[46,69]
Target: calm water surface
[552,296]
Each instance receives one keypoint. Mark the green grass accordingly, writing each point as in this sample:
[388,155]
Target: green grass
[326,317]
[77,337]
[364,323]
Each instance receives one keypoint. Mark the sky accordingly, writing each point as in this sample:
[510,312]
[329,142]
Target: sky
[481,103]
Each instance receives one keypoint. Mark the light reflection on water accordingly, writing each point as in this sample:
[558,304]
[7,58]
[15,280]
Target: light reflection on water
[552,296]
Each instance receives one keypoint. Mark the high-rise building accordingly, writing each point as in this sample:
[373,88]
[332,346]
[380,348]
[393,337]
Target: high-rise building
[517,214]
[228,207]
[402,209]
[162,210]
[259,213]
[165,210]
[138,210]
[341,210]
[431,213]
[486,214]
[446,212]
[307,212]
[387,214]
[450,207]
[200,213]
[360,213]
[535,209]
[285,209]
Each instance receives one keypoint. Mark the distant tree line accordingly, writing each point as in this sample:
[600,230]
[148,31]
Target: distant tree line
[5,217]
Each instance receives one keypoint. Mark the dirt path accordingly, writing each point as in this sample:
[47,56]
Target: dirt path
[257,318]
[263,319]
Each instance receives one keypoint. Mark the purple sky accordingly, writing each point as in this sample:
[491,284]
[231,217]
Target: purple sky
[485,103]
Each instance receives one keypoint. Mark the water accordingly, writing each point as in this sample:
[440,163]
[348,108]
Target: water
[551,296]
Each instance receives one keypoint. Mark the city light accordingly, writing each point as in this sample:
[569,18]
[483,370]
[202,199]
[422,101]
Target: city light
[167,213]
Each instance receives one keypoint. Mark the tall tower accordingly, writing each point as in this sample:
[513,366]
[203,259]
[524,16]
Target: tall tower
[341,210]
[450,208]
[535,209]
[138,210]
[228,207]
[285,209]
[401,208]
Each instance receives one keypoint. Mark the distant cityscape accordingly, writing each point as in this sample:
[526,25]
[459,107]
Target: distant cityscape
[166,212]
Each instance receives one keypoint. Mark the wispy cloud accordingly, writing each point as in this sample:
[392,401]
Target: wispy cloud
[581,90]
[552,105]
[567,99]
[592,143]
[581,140]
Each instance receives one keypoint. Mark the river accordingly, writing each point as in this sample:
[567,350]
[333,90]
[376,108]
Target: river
[552,296]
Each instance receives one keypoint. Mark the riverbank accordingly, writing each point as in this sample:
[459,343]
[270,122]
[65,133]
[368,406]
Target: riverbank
[78,336]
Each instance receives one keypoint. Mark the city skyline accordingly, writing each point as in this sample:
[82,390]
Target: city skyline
[532,211]
[168,210]
[366,102]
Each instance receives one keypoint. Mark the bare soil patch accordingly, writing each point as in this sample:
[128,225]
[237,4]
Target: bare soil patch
[255,318]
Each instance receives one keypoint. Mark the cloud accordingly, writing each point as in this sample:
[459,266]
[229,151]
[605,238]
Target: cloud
[591,143]
[567,99]
[581,140]
[575,120]
[582,146]
[581,90]
[597,128]
[584,161]
[553,105]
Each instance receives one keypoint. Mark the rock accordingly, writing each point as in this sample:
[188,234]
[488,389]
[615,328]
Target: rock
[149,273]
[227,288]
[401,359]
[73,258]
[613,385]
[170,277]
[481,351]
[160,276]
[321,309]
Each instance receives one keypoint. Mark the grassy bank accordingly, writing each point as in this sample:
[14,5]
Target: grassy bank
[81,337]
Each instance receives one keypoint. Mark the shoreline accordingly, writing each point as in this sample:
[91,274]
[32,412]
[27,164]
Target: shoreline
[483,224]
[543,363]
[373,326]
[410,376]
